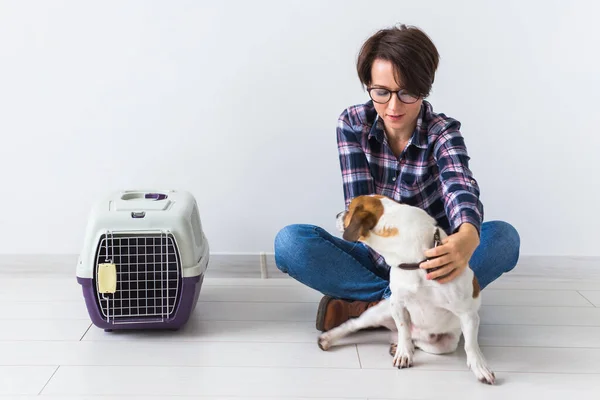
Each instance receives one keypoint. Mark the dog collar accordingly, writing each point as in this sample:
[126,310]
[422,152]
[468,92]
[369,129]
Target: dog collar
[415,266]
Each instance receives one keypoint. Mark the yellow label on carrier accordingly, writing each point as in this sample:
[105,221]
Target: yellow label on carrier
[107,278]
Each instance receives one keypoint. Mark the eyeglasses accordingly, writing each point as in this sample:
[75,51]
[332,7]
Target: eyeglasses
[382,96]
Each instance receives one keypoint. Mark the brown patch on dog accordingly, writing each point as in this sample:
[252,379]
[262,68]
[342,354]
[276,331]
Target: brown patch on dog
[387,232]
[476,288]
[362,216]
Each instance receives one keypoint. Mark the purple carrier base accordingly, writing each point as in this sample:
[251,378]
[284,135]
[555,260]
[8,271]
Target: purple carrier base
[188,298]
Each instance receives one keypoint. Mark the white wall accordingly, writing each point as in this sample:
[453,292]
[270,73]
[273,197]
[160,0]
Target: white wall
[237,102]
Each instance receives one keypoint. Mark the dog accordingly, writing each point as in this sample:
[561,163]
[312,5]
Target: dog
[421,313]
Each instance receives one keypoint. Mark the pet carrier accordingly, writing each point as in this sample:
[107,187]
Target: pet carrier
[143,261]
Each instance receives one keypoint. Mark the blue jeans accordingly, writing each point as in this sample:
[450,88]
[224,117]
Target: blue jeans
[346,270]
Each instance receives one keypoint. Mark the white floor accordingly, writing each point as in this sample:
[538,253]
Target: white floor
[252,338]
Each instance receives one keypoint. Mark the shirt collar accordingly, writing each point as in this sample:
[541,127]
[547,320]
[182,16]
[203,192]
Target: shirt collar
[419,136]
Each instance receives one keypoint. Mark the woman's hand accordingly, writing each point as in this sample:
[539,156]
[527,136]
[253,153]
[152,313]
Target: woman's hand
[453,254]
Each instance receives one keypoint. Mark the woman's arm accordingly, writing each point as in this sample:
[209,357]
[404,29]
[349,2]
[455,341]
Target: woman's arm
[460,189]
[356,174]
[463,208]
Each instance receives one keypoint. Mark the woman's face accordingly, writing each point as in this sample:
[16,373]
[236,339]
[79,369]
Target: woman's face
[399,118]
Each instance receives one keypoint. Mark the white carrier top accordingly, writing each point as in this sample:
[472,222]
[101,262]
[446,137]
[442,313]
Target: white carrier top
[141,212]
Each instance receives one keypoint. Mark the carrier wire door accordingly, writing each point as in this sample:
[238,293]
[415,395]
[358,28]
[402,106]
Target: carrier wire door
[148,277]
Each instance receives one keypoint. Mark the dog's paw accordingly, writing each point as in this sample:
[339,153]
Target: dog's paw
[483,373]
[323,342]
[393,348]
[403,358]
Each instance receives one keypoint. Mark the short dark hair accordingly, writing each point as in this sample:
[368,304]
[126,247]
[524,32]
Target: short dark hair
[409,49]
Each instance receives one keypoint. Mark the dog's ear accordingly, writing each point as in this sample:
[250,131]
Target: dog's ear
[361,222]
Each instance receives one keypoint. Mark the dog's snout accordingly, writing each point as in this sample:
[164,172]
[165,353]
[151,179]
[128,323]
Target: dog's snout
[339,220]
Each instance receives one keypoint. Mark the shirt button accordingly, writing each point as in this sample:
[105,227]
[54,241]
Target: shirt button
[394,179]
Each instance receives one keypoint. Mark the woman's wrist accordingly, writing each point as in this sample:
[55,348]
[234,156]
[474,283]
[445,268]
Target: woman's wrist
[469,229]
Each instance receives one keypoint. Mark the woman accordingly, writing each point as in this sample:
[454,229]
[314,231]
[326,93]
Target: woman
[397,146]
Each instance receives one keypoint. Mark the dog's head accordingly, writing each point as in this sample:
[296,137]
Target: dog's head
[399,232]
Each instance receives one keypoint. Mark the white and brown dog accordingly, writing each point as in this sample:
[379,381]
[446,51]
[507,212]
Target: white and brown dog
[424,313]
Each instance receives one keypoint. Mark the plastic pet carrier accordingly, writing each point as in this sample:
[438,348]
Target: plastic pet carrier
[143,261]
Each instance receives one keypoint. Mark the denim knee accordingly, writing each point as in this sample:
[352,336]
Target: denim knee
[508,236]
[287,242]
[281,246]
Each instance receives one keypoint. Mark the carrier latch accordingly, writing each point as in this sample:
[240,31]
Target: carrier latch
[107,278]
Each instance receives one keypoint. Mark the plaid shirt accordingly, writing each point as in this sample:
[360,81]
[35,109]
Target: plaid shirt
[432,173]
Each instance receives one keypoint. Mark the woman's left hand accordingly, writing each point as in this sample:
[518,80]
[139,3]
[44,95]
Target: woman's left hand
[453,254]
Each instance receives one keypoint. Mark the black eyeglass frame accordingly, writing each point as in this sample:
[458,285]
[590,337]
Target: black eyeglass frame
[390,92]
